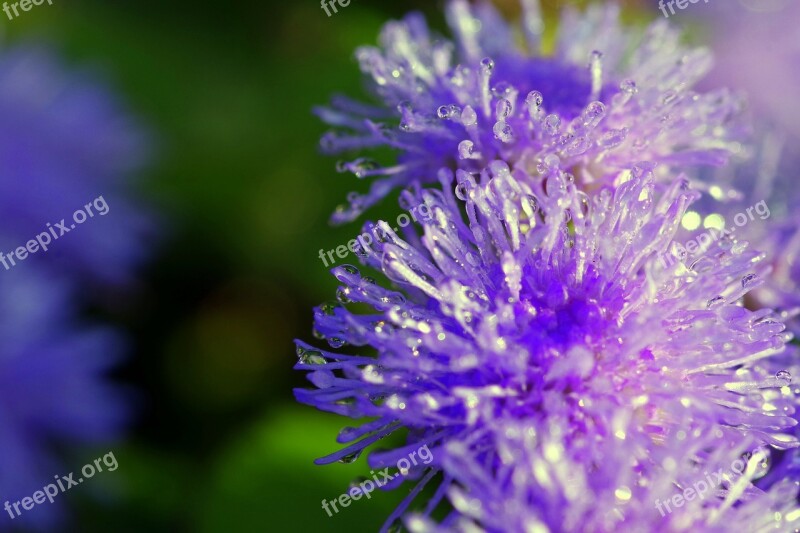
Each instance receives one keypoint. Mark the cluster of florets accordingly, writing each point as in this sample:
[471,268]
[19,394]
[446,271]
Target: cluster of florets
[564,375]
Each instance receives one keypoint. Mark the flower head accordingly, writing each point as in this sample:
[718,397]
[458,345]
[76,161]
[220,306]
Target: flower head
[65,141]
[770,82]
[603,99]
[52,385]
[551,358]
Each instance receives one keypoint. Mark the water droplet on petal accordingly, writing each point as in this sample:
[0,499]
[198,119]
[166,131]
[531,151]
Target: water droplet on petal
[593,114]
[503,109]
[371,374]
[348,433]
[530,204]
[353,457]
[336,342]
[342,295]
[535,99]
[465,149]
[462,191]
[469,117]
[503,132]
[629,87]
[552,124]
[784,377]
[749,280]
[310,357]
[329,308]
[448,111]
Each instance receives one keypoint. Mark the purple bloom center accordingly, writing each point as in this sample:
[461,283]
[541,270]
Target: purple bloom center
[566,88]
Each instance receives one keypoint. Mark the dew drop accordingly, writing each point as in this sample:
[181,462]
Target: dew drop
[362,167]
[628,87]
[552,123]
[503,109]
[749,280]
[336,342]
[530,204]
[503,132]
[487,64]
[462,191]
[583,201]
[348,433]
[534,99]
[784,377]
[448,111]
[593,114]
[360,251]
[739,247]
[342,295]
[704,264]
[371,374]
[469,117]
[466,149]
[310,357]
[351,458]
[329,308]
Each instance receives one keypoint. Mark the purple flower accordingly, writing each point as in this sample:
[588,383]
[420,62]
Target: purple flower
[64,141]
[604,98]
[562,373]
[52,387]
[771,82]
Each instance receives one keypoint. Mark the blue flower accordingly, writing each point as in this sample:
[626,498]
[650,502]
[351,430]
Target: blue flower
[563,374]
[64,142]
[53,386]
[604,98]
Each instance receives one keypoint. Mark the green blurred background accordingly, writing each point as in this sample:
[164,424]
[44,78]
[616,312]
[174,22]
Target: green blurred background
[227,90]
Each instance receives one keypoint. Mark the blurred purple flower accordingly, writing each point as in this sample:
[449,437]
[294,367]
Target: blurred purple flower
[606,97]
[52,387]
[739,31]
[64,141]
[563,375]
[771,81]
